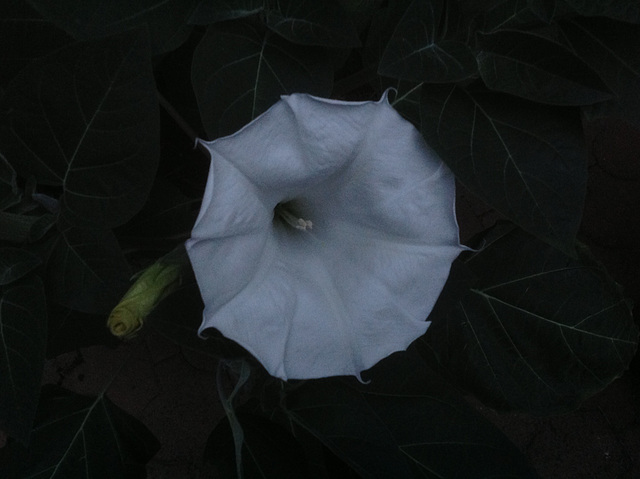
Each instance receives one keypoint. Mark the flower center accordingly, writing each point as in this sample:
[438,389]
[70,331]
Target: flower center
[286,213]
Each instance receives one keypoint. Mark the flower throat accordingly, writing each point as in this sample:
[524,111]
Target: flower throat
[285,213]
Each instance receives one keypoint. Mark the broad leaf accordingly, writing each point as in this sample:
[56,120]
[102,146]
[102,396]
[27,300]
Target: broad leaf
[87,270]
[421,49]
[532,67]
[24,35]
[86,118]
[22,228]
[613,50]
[23,335]
[80,437]
[308,22]
[624,10]
[406,99]
[239,72]
[268,450]
[405,423]
[514,14]
[93,19]
[526,161]
[9,194]
[383,23]
[15,263]
[178,318]
[544,9]
[541,331]
[208,12]
[166,218]
[70,330]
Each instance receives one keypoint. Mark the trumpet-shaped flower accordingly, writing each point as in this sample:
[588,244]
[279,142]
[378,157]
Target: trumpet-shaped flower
[326,234]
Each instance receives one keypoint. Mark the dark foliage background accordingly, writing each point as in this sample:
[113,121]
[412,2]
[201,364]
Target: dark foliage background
[100,102]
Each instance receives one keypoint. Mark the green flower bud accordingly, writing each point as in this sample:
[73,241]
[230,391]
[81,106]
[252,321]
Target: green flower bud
[152,286]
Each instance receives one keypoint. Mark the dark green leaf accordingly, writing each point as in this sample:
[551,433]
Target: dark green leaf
[383,23]
[24,35]
[624,10]
[405,424]
[18,228]
[176,95]
[167,217]
[613,50]
[87,270]
[208,11]
[178,318]
[422,50]
[541,331]
[537,69]
[544,9]
[23,336]
[406,99]
[239,72]
[308,22]
[525,160]
[80,437]
[516,14]
[86,118]
[70,330]
[41,226]
[475,6]
[9,194]
[165,20]
[15,263]
[268,450]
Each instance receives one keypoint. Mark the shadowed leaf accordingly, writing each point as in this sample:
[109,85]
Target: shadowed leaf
[537,69]
[25,35]
[165,20]
[208,12]
[525,160]
[23,335]
[514,14]
[624,10]
[308,22]
[86,118]
[9,194]
[80,437]
[613,50]
[178,317]
[15,263]
[239,72]
[422,50]
[542,331]
[268,450]
[87,270]
[405,423]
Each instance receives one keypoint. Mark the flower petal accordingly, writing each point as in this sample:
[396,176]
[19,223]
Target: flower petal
[298,142]
[229,235]
[358,286]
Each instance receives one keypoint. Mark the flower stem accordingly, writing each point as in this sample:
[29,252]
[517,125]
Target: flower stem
[181,122]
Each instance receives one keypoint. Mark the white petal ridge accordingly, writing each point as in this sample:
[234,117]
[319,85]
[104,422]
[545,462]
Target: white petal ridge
[357,286]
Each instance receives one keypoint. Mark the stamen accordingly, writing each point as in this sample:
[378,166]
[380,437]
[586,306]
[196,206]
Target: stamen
[291,220]
[304,224]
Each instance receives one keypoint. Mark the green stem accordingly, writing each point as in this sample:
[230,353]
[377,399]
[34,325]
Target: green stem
[182,123]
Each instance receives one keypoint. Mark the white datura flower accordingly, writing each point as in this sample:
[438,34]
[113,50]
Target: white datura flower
[326,234]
